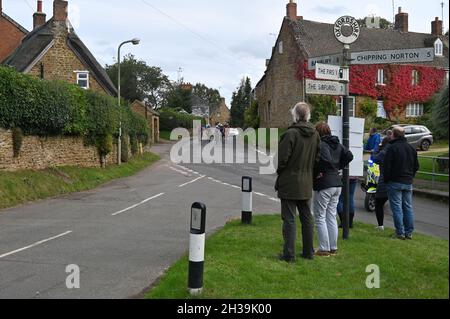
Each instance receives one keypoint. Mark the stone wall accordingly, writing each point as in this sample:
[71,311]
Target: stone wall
[43,152]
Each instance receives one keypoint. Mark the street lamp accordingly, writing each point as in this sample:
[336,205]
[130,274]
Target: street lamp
[134,41]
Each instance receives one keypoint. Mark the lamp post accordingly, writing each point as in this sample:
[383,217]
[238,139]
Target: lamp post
[134,41]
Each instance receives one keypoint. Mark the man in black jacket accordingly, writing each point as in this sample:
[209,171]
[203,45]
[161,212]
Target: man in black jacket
[400,167]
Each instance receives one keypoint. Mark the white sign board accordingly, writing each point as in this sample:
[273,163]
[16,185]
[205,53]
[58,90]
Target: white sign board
[394,56]
[332,72]
[356,141]
[324,88]
[377,57]
[326,59]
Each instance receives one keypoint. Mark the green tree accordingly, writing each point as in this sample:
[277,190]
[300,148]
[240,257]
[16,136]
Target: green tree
[140,81]
[179,98]
[240,101]
[212,96]
[251,117]
[440,114]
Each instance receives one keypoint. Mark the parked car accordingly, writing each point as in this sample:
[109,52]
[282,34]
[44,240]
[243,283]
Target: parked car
[418,136]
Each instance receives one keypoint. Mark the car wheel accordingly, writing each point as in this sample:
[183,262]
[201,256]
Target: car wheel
[370,203]
[425,146]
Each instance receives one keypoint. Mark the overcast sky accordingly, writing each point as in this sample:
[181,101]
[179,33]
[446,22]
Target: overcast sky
[214,42]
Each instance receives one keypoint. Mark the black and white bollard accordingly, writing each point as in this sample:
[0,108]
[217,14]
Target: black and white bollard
[197,248]
[247,200]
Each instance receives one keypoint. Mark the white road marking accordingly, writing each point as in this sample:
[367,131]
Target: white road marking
[260,194]
[179,171]
[238,187]
[188,170]
[35,244]
[182,185]
[139,204]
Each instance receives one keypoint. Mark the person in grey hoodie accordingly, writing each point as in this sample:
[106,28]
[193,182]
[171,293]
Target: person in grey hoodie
[328,187]
[298,151]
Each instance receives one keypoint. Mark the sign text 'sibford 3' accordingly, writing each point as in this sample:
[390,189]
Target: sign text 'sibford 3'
[340,34]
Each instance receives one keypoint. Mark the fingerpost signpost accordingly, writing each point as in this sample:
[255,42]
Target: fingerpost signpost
[346,31]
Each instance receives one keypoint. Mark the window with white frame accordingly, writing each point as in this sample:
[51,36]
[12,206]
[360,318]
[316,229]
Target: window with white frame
[83,79]
[380,77]
[352,106]
[438,48]
[414,110]
[415,78]
[280,47]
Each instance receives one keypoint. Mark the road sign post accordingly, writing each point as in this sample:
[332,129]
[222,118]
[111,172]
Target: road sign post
[346,38]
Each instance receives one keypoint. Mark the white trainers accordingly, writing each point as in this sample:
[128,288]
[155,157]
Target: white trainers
[380,228]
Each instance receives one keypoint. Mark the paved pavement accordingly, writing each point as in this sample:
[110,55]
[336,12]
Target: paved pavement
[124,235]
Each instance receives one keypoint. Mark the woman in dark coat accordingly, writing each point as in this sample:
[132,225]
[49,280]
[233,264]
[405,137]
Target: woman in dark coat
[381,196]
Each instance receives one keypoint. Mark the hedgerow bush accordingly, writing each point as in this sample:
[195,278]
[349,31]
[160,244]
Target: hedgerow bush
[171,119]
[49,108]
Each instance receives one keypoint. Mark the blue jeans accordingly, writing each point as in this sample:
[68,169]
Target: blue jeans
[340,207]
[400,198]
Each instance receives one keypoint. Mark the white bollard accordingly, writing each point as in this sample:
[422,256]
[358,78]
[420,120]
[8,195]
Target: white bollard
[197,248]
[247,200]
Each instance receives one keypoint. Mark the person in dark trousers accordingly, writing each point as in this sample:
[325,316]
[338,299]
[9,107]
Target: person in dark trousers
[340,208]
[381,197]
[298,152]
[399,168]
[328,187]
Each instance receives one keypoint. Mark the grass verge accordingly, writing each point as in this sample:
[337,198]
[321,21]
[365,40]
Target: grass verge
[28,185]
[165,135]
[240,264]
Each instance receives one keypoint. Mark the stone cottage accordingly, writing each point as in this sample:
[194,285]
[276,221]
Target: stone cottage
[53,51]
[400,89]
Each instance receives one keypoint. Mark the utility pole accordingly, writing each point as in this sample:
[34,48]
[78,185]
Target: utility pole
[180,70]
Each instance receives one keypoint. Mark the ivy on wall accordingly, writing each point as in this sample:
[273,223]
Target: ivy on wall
[399,90]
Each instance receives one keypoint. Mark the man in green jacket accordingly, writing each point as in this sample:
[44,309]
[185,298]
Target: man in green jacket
[298,151]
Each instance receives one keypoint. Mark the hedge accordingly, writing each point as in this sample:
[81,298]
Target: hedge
[49,108]
[171,119]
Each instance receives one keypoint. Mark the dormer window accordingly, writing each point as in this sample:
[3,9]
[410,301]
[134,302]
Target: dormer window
[438,48]
[83,79]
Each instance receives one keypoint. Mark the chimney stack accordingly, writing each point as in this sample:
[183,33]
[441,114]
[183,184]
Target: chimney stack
[437,27]
[39,18]
[401,21]
[291,10]
[60,10]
